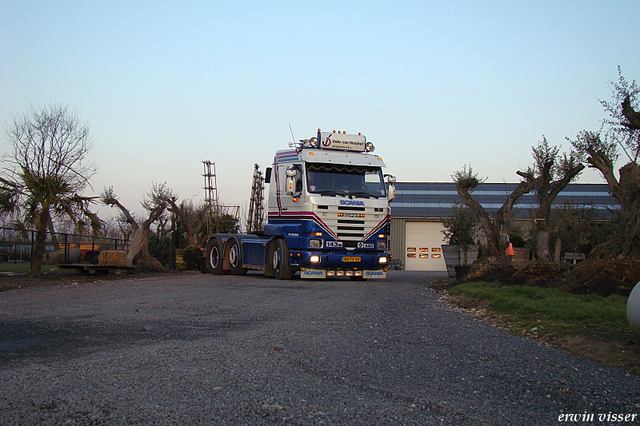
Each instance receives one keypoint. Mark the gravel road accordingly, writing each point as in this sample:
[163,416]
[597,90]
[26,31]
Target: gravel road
[196,349]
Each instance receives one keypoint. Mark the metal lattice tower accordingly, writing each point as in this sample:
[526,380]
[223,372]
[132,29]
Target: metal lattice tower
[255,218]
[210,195]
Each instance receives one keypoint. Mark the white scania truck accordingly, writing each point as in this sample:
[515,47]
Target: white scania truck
[328,212]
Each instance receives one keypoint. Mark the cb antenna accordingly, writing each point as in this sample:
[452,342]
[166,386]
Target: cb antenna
[292,137]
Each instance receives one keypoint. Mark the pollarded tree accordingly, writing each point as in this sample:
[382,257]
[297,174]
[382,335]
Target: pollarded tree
[621,131]
[550,173]
[46,172]
[190,216]
[498,226]
[155,204]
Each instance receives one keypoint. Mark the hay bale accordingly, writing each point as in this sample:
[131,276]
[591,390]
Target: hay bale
[113,258]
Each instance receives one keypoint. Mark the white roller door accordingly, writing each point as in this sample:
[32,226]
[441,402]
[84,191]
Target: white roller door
[422,251]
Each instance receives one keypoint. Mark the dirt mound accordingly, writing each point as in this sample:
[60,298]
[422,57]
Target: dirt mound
[491,269]
[540,274]
[597,276]
[604,277]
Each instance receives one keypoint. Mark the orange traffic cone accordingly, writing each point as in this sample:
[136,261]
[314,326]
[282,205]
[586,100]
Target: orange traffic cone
[510,250]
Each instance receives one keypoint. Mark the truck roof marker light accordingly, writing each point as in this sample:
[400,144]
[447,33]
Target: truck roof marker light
[295,199]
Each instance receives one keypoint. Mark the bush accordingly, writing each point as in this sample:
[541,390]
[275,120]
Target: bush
[191,255]
[159,248]
[460,227]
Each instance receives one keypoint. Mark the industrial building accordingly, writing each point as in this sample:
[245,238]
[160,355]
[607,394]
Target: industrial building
[419,208]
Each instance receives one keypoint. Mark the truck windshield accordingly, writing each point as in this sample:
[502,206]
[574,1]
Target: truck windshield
[338,179]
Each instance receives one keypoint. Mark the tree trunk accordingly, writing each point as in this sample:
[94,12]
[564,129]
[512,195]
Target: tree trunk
[495,228]
[543,251]
[630,211]
[627,192]
[40,241]
[139,252]
[491,232]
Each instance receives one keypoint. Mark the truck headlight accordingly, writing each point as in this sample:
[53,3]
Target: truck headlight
[316,243]
[383,245]
[383,259]
[314,258]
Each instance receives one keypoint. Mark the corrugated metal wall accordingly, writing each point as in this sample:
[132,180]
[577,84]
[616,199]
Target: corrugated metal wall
[398,238]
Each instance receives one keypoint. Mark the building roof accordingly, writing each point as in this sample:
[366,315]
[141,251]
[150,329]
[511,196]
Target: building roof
[435,199]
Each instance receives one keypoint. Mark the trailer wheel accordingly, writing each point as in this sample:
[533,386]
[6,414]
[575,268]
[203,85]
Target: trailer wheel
[235,258]
[214,258]
[281,261]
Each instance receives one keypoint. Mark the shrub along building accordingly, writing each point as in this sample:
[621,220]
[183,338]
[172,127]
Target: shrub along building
[419,208]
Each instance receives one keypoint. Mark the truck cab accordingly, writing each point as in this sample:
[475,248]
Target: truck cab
[328,212]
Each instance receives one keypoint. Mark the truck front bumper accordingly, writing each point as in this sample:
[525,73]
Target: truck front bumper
[343,264]
[332,273]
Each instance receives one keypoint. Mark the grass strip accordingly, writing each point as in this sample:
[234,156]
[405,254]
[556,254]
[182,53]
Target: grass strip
[25,267]
[550,304]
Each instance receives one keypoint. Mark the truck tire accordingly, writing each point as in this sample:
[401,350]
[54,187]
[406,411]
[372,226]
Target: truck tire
[281,261]
[214,258]
[235,258]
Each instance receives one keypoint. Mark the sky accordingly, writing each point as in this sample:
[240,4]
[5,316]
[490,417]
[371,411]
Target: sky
[435,85]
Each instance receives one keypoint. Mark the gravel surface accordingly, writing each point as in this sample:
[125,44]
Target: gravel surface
[205,350]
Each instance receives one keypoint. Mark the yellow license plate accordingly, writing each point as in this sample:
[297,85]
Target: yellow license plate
[351,259]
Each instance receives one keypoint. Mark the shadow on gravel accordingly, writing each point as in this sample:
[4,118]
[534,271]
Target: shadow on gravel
[26,340]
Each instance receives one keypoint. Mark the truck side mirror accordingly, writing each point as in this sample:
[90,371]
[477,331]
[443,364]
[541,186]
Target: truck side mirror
[291,181]
[391,192]
[292,172]
[291,185]
[267,175]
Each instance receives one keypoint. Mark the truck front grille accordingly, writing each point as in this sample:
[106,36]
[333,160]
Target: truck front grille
[350,230]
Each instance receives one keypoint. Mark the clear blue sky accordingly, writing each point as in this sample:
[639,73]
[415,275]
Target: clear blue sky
[433,84]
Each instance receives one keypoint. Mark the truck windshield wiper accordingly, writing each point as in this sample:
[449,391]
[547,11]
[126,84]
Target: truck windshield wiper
[327,192]
[363,194]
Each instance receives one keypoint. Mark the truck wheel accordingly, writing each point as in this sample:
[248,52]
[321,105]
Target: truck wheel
[281,261]
[235,258]
[214,258]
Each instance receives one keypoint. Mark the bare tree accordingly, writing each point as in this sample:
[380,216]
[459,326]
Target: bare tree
[46,172]
[601,149]
[497,227]
[549,175]
[155,204]
[191,217]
